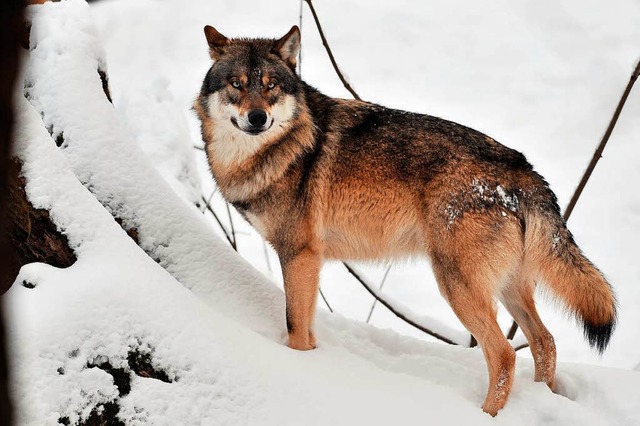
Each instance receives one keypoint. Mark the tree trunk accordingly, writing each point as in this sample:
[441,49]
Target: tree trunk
[32,236]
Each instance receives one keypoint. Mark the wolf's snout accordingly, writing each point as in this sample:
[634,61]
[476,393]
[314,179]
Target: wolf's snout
[254,122]
[257,117]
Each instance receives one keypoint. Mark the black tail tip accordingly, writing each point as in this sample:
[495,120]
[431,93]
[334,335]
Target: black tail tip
[598,336]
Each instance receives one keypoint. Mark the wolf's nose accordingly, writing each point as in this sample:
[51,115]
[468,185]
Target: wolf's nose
[257,117]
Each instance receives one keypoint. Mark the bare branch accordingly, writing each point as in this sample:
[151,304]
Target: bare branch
[234,244]
[512,331]
[326,302]
[395,311]
[208,200]
[328,49]
[605,138]
[215,216]
[373,305]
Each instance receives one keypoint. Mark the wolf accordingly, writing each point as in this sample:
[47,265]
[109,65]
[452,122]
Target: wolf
[323,178]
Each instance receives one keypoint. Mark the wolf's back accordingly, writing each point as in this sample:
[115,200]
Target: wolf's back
[556,261]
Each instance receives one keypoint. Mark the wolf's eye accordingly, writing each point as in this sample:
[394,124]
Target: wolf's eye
[235,84]
[271,85]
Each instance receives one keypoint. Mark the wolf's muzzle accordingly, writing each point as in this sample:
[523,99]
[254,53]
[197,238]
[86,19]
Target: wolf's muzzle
[255,122]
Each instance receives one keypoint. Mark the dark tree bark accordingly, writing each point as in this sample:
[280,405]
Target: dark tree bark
[11,35]
[32,236]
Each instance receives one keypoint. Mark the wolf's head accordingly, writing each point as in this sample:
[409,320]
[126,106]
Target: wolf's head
[251,86]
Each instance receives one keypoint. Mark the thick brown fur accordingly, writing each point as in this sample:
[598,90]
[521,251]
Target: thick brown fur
[323,178]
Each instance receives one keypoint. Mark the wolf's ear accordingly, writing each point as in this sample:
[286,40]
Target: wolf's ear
[217,42]
[289,46]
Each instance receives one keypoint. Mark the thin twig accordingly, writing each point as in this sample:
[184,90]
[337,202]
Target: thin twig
[328,49]
[326,302]
[201,148]
[394,311]
[522,346]
[373,305]
[233,231]
[224,230]
[208,200]
[596,156]
[605,138]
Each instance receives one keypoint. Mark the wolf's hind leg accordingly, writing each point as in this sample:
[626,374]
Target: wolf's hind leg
[478,315]
[471,262]
[517,297]
[301,275]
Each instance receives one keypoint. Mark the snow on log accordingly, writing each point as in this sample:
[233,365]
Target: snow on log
[62,84]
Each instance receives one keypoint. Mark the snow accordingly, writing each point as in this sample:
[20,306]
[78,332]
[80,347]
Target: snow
[214,324]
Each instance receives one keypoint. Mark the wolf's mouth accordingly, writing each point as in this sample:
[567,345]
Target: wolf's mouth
[251,131]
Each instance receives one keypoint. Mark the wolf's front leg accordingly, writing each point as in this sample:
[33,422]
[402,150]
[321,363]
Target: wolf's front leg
[301,274]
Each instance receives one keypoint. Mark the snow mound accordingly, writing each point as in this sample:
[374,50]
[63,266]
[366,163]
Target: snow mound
[63,84]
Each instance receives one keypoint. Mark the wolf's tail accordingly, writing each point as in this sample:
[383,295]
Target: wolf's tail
[557,262]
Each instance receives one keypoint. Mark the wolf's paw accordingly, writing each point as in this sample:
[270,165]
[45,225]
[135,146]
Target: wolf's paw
[491,409]
[301,344]
[302,347]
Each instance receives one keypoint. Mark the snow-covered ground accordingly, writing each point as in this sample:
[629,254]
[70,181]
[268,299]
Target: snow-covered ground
[541,77]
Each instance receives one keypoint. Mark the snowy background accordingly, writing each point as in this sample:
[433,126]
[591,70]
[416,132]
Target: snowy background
[542,77]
